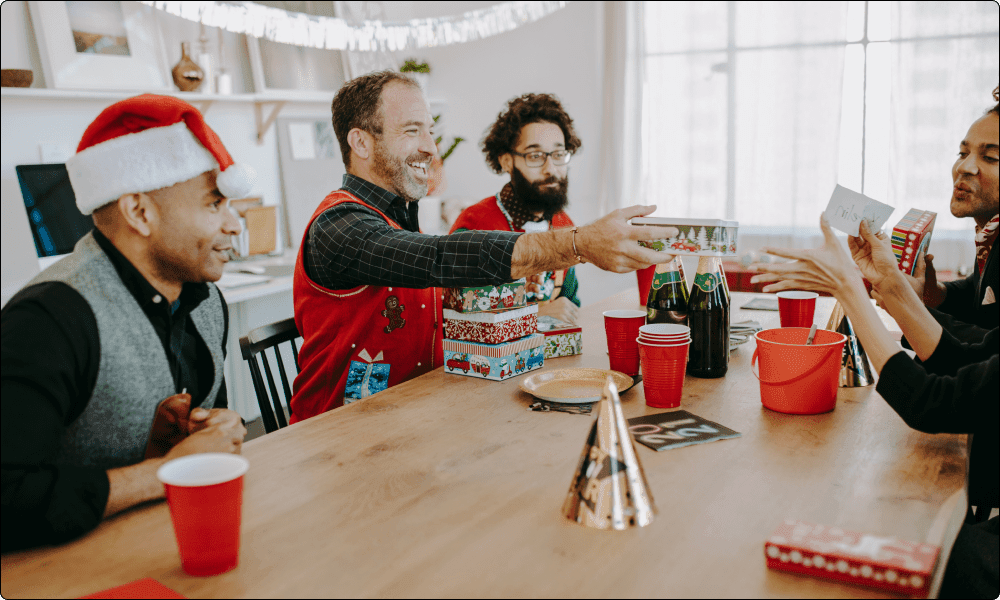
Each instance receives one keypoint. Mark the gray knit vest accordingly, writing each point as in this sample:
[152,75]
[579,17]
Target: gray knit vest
[134,375]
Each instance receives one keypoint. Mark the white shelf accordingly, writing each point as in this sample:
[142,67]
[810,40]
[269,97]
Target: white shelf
[270,96]
[274,99]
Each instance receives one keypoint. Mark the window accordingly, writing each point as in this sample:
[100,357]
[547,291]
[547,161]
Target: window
[754,110]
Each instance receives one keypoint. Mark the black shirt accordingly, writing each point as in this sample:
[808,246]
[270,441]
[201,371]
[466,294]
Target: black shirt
[50,358]
[953,391]
[350,245]
[970,319]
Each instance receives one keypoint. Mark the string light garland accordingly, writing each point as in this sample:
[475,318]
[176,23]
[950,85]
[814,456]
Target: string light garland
[331,33]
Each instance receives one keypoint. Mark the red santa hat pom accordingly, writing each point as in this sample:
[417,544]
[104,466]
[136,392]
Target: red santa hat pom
[147,143]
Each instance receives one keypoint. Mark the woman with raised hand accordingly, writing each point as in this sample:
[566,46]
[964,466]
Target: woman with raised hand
[950,388]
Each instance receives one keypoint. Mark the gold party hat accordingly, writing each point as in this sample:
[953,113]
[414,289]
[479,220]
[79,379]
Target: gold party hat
[855,370]
[609,489]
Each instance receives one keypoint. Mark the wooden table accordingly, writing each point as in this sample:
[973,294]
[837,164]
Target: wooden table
[447,486]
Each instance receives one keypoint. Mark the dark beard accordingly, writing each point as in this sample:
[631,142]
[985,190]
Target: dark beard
[535,199]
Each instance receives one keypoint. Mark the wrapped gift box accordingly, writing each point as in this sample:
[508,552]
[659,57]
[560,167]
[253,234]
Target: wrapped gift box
[494,361]
[561,339]
[885,563]
[491,327]
[486,298]
[911,236]
[696,237]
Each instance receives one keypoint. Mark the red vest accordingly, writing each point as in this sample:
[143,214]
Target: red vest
[360,341]
[486,215]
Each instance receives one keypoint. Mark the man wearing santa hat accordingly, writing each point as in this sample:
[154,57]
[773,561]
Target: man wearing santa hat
[113,357]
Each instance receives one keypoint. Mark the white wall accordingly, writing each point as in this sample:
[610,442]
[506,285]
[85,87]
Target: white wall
[28,122]
[561,53]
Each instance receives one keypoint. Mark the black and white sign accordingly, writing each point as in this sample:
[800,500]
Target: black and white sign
[675,429]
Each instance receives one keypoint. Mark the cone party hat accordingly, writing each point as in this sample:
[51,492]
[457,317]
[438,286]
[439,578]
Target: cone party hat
[609,489]
[855,370]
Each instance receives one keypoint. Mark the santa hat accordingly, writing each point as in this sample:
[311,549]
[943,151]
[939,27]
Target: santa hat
[147,143]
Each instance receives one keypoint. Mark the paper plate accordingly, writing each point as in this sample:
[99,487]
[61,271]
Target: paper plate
[573,386]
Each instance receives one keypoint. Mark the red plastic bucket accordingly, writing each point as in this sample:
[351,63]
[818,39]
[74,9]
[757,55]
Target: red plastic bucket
[795,378]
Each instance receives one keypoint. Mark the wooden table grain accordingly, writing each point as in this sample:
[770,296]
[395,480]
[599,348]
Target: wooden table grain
[448,486]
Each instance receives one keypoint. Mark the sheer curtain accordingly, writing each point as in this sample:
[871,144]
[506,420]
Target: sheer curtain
[754,110]
[622,180]
[741,113]
[943,61]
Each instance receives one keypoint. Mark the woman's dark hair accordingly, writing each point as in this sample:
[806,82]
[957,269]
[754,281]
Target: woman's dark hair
[359,104]
[501,138]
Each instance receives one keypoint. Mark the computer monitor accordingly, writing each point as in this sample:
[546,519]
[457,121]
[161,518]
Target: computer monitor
[56,223]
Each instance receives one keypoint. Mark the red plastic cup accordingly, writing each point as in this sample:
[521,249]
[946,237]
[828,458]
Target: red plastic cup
[645,278]
[676,342]
[622,329]
[797,308]
[205,495]
[664,330]
[663,370]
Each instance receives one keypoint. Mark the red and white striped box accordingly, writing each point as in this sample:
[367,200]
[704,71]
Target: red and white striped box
[911,236]
[491,327]
[494,361]
[884,563]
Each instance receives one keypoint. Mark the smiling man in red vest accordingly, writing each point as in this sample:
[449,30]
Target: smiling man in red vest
[365,278]
[533,141]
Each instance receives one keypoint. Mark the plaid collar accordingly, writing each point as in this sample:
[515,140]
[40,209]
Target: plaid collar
[393,206]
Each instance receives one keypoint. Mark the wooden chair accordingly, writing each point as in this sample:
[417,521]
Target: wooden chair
[252,346]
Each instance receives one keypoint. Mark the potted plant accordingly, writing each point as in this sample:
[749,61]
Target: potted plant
[420,71]
[437,182]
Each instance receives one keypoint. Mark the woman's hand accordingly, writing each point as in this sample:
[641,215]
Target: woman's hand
[560,308]
[825,269]
[872,252]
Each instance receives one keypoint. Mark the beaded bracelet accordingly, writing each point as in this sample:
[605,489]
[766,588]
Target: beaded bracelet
[578,257]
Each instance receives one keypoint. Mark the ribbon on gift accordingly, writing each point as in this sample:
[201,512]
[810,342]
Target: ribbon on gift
[363,355]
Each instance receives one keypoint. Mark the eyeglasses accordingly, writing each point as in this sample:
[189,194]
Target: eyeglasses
[536,158]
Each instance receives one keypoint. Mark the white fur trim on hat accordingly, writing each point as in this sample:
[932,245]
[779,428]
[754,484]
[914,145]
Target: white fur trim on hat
[236,181]
[138,162]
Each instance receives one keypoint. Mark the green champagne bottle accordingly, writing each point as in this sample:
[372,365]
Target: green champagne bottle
[708,318]
[668,296]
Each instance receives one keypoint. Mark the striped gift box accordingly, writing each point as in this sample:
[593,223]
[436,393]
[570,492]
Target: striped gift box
[494,361]
[911,236]
[494,350]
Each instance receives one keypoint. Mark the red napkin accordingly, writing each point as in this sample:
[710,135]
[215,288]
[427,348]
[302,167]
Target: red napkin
[142,588]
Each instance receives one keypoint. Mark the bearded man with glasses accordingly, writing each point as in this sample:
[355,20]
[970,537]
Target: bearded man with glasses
[533,141]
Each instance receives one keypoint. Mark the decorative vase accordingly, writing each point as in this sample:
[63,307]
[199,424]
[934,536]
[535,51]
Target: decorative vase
[186,73]
[21,78]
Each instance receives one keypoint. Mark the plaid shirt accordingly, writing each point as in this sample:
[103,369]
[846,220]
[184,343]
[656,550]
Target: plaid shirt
[350,245]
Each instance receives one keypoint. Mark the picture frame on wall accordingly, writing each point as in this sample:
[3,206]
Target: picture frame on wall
[287,71]
[105,45]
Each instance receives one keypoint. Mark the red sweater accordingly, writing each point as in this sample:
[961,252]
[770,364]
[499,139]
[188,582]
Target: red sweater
[486,215]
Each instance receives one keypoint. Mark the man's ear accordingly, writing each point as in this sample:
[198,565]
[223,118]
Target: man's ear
[139,212]
[506,163]
[361,143]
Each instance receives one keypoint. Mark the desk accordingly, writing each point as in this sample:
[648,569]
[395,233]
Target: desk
[249,307]
[447,486]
